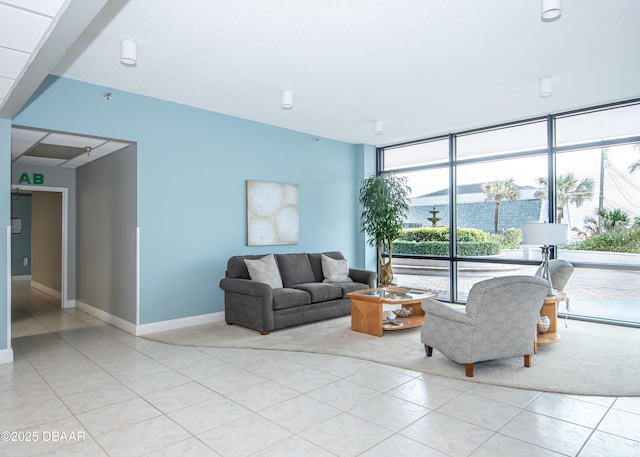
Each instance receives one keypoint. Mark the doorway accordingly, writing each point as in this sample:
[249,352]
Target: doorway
[48,239]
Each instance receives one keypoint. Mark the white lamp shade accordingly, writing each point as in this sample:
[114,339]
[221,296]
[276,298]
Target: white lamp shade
[128,52]
[287,99]
[542,234]
[546,87]
[551,10]
[377,127]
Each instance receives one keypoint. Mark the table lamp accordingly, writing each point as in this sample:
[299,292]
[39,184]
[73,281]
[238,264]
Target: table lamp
[545,235]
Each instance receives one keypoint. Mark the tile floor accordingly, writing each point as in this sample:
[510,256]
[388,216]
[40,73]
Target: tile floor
[80,387]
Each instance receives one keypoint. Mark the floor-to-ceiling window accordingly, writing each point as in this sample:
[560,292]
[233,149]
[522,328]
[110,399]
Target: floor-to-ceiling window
[472,193]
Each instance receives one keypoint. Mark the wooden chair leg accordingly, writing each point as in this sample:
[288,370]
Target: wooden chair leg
[428,350]
[468,368]
[527,360]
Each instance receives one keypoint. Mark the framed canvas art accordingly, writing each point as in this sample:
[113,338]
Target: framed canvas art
[272,213]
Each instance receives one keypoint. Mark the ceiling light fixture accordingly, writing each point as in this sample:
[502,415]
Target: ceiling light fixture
[128,53]
[551,10]
[377,127]
[287,99]
[546,87]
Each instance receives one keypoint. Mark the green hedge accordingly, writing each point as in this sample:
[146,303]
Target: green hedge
[508,239]
[442,234]
[611,241]
[465,248]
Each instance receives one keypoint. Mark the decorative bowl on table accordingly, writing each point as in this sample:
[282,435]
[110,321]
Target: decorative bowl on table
[395,290]
[403,312]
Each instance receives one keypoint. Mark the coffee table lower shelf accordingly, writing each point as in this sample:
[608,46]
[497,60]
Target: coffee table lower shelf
[407,322]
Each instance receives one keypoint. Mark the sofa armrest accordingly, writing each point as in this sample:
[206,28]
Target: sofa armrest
[246,287]
[363,276]
[248,303]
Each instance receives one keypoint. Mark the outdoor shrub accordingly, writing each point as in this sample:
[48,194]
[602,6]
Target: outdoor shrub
[476,248]
[426,234]
[465,248]
[509,239]
[442,234]
[611,241]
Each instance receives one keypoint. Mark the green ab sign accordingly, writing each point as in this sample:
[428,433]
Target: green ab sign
[36,178]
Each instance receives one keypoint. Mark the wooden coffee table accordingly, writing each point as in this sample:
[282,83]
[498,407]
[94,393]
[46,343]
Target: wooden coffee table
[366,309]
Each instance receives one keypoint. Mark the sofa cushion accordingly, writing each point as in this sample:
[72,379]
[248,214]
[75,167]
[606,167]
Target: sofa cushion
[348,287]
[294,269]
[264,270]
[335,270]
[320,291]
[316,263]
[285,298]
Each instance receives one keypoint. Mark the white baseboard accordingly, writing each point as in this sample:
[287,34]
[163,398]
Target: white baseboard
[21,278]
[172,324]
[6,356]
[106,317]
[46,289]
[153,327]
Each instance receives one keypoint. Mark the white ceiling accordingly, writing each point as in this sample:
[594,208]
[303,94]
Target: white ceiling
[423,67]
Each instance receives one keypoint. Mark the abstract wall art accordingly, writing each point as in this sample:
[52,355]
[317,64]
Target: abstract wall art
[272,213]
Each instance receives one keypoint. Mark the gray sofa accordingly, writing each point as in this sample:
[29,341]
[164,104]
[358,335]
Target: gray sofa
[305,296]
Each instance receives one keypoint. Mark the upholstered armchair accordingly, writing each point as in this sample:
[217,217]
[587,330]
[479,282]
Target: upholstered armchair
[499,321]
[560,271]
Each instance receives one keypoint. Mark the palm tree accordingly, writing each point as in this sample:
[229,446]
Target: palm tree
[612,219]
[568,190]
[498,191]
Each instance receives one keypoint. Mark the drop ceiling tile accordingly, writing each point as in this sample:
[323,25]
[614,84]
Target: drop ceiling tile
[21,30]
[19,146]
[62,139]
[5,86]
[32,136]
[13,62]
[77,162]
[54,151]
[111,146]
[47,7]
[44,161]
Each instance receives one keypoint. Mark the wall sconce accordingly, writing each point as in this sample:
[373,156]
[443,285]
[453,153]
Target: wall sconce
[128,53]
[551,10]
[377,127]
[546,87]
[287,99]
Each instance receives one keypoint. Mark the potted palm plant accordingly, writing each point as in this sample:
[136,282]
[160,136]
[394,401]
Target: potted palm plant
[385,202]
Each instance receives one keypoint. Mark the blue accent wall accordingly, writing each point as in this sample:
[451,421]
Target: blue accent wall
[192,169]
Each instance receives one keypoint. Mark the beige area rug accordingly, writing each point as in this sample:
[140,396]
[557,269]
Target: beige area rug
[590,359]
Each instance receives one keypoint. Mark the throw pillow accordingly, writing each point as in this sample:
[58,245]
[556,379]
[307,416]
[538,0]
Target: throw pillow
[265,270]
[335,270]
